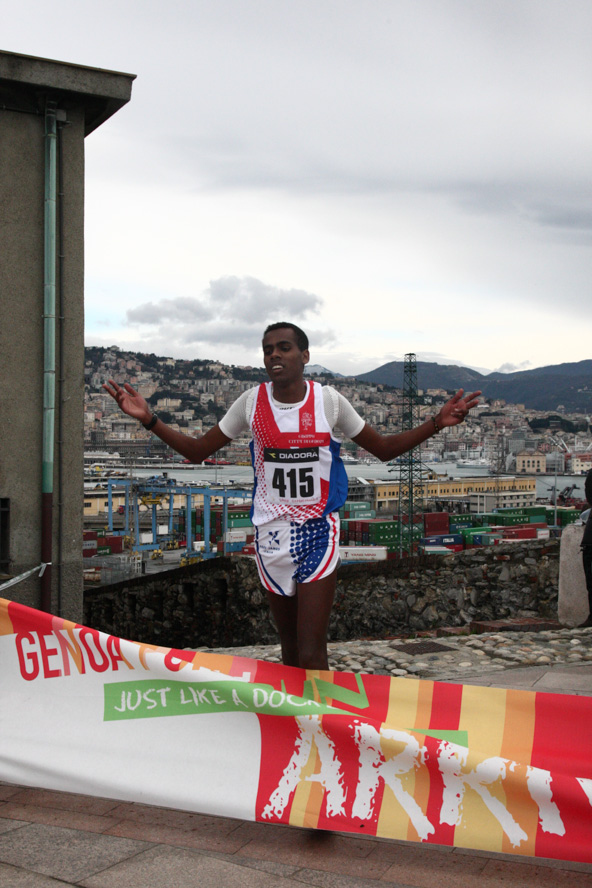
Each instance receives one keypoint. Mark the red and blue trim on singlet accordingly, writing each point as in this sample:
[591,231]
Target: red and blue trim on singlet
[266,433]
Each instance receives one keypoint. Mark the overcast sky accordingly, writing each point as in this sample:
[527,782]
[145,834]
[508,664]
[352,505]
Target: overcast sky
[393,175]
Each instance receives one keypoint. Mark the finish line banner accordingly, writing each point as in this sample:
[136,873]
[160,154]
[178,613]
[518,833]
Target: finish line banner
[483,768]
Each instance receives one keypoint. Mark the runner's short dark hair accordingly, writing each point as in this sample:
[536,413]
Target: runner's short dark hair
[301,337]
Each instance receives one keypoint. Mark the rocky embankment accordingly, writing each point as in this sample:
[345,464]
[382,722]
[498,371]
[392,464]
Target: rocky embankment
[220,603]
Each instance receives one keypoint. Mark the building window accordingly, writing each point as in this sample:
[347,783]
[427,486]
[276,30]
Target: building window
[4,534]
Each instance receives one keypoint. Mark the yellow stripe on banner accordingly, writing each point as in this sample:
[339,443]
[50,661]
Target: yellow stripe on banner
[421,795]
[216,662]
[306,796]
[6,627]
[519,726]
[425,697]
[482,715]
[517,747]
[309,795]
[403,702]
[58,624]
[405,699]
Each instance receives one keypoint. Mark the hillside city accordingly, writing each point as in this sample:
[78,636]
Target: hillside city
[192,395]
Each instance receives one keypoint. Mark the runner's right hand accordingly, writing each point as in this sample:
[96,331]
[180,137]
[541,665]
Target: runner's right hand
[129,400]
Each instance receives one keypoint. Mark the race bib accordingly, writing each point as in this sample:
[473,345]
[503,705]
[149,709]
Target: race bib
[292,475]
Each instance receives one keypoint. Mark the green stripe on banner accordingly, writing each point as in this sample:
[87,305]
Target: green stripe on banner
[154,699]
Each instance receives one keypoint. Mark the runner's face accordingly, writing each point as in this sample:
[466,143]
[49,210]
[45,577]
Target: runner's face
[283,359]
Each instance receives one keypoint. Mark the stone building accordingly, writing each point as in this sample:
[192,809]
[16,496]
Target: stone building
[47,109]
[528,463]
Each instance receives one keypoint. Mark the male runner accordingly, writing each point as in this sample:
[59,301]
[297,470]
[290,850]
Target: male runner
[300,480]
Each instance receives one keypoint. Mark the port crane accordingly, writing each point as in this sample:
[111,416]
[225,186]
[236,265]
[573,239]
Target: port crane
[156,494]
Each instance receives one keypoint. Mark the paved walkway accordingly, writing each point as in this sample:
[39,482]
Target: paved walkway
[453,654]
[54,840]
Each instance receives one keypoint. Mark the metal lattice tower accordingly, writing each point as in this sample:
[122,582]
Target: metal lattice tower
[411,487]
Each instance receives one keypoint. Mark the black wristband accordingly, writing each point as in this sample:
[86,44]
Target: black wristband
[436,426]
[150,425]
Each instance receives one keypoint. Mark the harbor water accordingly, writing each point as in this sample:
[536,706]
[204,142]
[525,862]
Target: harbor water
[241,475]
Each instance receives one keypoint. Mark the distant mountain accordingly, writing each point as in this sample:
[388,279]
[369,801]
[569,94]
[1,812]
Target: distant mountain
[545,388]
[319,370]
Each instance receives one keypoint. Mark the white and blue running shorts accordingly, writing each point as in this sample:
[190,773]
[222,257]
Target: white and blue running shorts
[288,553]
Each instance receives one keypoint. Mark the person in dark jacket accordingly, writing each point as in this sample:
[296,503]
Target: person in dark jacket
[587,546]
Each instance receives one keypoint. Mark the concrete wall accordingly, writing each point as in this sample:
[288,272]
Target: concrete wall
[220,603]
[85,97]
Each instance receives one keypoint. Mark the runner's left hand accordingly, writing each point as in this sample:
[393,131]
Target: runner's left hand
[456,409]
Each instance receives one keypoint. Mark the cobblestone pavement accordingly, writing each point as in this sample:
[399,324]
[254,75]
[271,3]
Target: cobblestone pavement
[449,658]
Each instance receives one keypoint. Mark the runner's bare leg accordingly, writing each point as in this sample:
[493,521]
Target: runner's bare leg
[302,621]
[284,610]
[315,601]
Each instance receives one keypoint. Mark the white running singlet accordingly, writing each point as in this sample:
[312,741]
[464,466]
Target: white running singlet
[298,471]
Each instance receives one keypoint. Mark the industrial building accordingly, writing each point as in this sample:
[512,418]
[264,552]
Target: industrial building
[47,109]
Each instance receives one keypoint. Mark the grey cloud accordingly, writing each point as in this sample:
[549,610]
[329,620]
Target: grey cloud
[254,299]
[232,311]
[182,310]
[541,203]
[227,299]
[579,218]
[232,332]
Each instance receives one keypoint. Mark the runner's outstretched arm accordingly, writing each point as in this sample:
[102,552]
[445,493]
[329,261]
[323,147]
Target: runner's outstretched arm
[386,447]
[136,406]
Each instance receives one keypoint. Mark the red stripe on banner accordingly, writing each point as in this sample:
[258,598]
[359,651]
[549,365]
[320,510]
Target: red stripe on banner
[444,834]
[278,739]
[20,617]
[563,745]
[446,706]
[445,716]
[563,734]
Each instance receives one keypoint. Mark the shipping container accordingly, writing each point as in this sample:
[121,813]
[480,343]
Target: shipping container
[521,533]
[436,522]
[362,553]
[567,516]
[434,550]
[235,536]
[465,520]
[230,547]
[115,543]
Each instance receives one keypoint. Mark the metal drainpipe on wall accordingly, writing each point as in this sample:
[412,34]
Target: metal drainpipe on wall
[49,291]
[61,121]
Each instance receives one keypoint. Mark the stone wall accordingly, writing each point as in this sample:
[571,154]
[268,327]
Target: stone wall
[220,603]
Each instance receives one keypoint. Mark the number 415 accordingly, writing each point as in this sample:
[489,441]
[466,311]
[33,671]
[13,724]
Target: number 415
[299,479]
